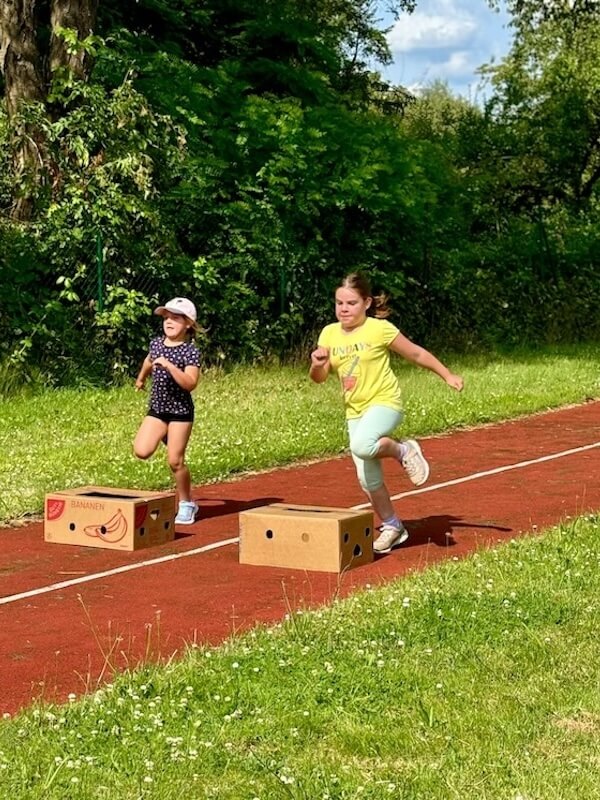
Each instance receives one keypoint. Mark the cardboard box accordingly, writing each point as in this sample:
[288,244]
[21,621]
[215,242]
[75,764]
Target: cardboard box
[118,519]
[306,537]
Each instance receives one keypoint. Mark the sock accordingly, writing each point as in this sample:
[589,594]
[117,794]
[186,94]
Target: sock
[393,521]
[402,450]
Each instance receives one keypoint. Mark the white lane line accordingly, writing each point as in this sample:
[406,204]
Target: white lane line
[12,598]
[174,556]
[495,471]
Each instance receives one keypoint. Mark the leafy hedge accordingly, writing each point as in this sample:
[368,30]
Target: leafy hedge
[170,176]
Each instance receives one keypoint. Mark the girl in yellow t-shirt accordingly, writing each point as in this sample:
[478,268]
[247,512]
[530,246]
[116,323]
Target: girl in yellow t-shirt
[357,348]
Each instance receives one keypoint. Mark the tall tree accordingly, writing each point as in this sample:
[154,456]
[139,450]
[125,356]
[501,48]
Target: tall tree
[35,45]
[79,17]
[527,15]
[547,103]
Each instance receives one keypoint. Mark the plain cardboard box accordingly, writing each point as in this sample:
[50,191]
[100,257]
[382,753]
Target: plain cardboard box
[306,537]
[118,519]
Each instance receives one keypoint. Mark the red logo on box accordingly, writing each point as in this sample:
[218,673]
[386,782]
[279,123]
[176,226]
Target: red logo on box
[140,514]
[54,509]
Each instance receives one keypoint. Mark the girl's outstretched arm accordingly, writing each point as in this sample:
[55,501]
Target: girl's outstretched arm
[423,358]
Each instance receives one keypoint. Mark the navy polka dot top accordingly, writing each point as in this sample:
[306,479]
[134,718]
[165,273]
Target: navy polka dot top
[167,396]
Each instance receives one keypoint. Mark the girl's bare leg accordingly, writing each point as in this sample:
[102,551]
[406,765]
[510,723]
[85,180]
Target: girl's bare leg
[149,436]
[179,434]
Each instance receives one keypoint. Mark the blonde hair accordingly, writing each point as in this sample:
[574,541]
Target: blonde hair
[360,283]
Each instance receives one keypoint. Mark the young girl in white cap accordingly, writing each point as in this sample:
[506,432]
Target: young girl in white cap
[174,361]
[357,347]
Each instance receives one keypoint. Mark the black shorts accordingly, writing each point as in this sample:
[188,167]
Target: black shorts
[189,417]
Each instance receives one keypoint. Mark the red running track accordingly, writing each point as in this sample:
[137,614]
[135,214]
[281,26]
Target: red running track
[69,639]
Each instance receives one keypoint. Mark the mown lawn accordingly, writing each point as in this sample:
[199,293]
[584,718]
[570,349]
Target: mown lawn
[476,679]
[257,418]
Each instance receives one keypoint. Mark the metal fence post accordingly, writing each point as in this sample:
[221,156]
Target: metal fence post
[100,271]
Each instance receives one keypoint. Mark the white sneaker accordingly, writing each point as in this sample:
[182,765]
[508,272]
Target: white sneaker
[389,537]
[186,514]
[415,463]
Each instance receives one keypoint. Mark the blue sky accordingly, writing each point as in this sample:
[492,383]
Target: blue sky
[447,40]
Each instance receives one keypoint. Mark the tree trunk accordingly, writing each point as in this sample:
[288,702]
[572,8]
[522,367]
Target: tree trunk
[26,80]
[19,54]
[79,15]
[21,65]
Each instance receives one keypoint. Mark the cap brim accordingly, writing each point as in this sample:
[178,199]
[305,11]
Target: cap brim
[162,310]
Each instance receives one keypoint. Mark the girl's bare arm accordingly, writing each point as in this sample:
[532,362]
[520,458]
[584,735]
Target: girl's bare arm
[423,358]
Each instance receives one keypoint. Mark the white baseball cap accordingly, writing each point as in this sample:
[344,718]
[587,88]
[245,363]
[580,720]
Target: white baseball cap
[179,305]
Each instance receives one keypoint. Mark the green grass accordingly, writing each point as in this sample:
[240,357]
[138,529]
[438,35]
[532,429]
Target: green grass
[256,418]
[475,680]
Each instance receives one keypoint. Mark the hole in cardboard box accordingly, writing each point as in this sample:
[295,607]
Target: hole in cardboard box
[305,537]
[357,551]
[269,534]
[166,524]
[155,513]
[142,531]
[72,526]
[346,537]
[367,532]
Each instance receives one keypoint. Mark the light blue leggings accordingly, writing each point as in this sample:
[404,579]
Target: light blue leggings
[365,433]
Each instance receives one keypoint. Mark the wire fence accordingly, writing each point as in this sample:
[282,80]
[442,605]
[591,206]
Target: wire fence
[100,315]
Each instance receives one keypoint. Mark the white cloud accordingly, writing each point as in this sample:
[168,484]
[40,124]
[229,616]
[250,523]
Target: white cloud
[421,31]
[446,40]
[458,65]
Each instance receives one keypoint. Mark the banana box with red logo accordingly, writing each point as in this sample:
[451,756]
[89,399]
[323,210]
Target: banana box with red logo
[118,519]
[306,537]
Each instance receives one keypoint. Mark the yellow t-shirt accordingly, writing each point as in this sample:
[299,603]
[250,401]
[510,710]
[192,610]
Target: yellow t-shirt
[361,358]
